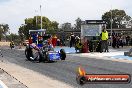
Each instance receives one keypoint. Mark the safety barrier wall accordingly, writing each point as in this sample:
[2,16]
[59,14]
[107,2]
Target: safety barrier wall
[4,43]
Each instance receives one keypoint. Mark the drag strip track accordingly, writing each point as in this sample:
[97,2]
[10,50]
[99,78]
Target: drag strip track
[65,71]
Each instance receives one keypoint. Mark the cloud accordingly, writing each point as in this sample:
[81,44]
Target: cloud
[14,12]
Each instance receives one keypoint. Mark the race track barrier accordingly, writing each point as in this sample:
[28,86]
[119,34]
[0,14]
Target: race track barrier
[4,43]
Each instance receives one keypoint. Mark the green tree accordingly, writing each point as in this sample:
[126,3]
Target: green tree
[117,17]
[78,24]
[30,24]
[14,37]
[66,26]
[53,28]
[4,28]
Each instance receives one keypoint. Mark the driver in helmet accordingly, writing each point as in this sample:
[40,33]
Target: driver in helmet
[46,44]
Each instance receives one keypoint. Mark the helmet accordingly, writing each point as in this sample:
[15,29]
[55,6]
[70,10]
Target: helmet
[45,42]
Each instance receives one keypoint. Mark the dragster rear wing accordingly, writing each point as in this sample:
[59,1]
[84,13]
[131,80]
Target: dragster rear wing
[40,30]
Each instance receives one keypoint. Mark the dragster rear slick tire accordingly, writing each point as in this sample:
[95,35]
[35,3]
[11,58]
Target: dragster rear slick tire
[28,53]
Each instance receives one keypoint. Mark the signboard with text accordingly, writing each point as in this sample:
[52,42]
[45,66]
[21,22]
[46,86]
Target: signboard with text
[91,30]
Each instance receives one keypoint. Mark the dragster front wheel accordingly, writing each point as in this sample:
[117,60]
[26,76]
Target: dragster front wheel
[62,54]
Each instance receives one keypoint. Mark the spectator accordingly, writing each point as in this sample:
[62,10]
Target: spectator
[77,39]
[30,39]
[117,41]
[124,41]
[34,38]
[54,40]
[127,40]
[58,42]
[78,46]
[121,42]
[72,40]
[104,40]
[114,41]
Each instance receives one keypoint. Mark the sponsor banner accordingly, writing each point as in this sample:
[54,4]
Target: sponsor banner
[110,78]
[83,78]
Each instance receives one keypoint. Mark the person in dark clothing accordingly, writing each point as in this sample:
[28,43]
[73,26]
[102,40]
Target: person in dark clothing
[72,40]
[127,40]
[114,41]
[121,41]
[34,36]
[58,42]
[117,41]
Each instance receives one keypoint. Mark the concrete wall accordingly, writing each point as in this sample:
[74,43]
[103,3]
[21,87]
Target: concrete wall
[4,43]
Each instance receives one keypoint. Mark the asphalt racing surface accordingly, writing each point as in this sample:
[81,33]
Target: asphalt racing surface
[65,71]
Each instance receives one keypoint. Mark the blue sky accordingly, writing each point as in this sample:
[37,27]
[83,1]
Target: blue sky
[1,1]
[13,12]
